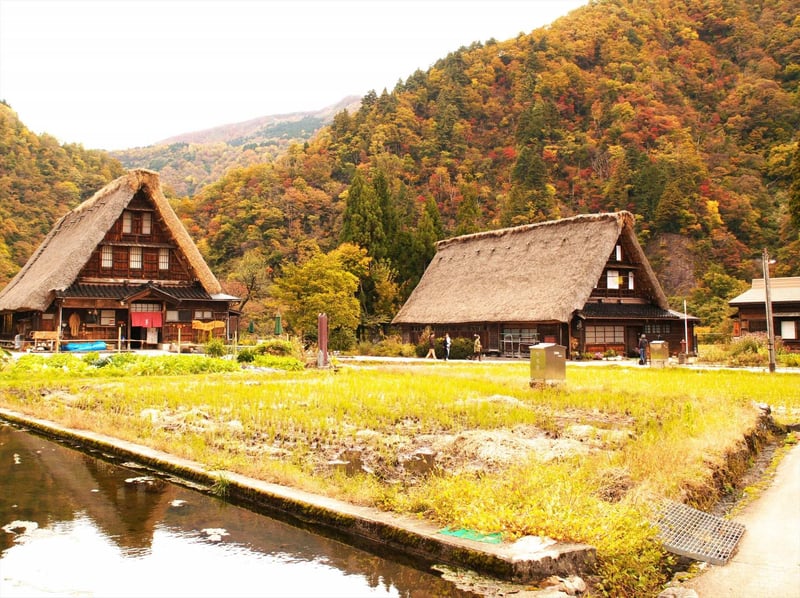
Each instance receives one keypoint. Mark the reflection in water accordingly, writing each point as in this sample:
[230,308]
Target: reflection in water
[73,525]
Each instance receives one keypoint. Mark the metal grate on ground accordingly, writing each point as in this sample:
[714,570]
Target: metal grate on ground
[688,532]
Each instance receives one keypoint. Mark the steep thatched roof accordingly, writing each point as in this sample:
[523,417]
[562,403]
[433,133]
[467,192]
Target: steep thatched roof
[534,273]
[56,263]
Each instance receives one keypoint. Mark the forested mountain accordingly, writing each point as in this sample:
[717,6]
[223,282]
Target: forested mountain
[685,113]
[40,181]
[190,161]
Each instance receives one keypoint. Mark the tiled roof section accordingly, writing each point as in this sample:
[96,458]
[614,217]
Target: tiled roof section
[121,291]
[627,310]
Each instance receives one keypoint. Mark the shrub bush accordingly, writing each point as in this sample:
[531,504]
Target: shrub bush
[393,346]
[712,354]
[789,360]
[341,339]
[746,344]
[214,347]
[275,346]
[246,355]
[280,347]
[460,348]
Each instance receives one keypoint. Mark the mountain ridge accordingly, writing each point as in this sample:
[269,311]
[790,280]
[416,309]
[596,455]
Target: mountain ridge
[251,127]
[189,161]
[685,115]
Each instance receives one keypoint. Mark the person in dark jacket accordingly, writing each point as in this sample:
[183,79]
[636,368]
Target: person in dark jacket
[643,344]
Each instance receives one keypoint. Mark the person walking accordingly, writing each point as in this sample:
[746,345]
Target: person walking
[643,350]
[476,347]
[446,346]
[431,347]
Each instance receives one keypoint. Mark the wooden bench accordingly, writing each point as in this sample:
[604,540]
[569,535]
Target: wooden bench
[44,338]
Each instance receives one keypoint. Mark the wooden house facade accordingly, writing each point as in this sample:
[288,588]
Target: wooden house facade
[751,310]
[582,282]
[119,269]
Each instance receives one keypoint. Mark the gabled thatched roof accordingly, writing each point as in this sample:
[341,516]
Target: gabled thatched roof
[534,273]
[57,262]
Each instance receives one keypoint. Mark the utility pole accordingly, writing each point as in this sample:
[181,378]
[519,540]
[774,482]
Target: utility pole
[765,262]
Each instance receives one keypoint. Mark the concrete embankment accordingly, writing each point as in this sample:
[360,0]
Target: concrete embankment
[525,561]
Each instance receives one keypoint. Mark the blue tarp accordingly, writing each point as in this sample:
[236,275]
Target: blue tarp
[90,346]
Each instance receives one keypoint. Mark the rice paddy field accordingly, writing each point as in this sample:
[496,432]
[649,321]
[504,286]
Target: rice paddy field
[463,444]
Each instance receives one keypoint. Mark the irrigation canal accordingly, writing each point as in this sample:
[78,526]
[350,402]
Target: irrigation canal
[75,524]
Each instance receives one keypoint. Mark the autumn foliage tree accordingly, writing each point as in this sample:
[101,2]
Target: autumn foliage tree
[324,283]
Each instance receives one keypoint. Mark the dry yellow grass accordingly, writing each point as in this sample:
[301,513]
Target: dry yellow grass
[463,444]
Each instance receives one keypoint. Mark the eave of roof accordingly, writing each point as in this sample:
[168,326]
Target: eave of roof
[127,292]
[635,311]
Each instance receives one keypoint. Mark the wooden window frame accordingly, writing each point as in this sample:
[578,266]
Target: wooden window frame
[106,257]
[163,258]
[147,223]
[135,258]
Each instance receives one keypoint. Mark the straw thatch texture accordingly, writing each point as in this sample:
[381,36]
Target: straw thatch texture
[534,273]
[59,259]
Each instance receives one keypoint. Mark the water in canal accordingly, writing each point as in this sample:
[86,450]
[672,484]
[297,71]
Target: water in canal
[75,525]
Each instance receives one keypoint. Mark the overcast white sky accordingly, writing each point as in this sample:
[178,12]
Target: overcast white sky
[116,74]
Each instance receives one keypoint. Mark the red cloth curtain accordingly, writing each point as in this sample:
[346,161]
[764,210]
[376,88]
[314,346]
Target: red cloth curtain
[146,319]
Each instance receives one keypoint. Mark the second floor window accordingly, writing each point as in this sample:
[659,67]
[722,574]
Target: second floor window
[147,219]
[163,258]
[106,257]
[127,222]
[136,258]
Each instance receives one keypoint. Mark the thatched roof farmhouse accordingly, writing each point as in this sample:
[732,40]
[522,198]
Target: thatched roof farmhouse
[119,266]
[582,282]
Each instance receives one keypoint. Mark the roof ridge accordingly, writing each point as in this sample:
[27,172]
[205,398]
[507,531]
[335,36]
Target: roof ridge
[623,215]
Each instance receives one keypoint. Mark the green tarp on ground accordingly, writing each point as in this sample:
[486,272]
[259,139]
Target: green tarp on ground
[495,538]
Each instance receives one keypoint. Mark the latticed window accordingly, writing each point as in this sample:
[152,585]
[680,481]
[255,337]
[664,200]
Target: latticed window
[145,307]
[106,257]
[163,258]
[136,258]
[657,329]
[605,334]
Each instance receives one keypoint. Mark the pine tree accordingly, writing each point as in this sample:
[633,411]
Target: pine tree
[362,221]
